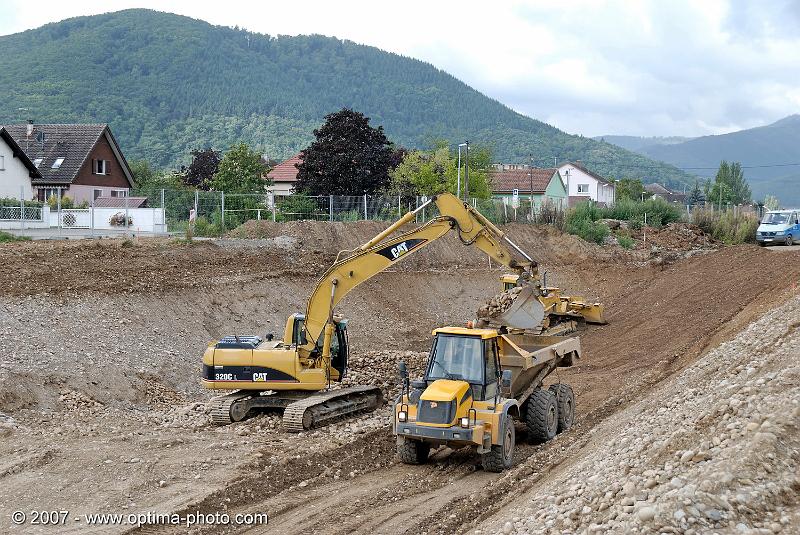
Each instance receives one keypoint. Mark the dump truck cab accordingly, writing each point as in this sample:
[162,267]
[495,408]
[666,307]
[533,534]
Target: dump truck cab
[458,401]
[476,383]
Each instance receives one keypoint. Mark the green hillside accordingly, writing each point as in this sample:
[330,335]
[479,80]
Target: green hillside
[771,146]
[168,84]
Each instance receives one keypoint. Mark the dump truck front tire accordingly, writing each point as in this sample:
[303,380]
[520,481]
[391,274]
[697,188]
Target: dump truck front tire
[501,456]
[412,451]
[565,400]
[541,415]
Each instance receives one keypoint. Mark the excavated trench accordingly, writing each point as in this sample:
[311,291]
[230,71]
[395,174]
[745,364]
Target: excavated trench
[133,316]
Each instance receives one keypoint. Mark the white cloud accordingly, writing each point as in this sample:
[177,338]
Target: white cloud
[587,66]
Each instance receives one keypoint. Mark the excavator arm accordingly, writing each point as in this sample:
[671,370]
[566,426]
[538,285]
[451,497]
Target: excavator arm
[381,252]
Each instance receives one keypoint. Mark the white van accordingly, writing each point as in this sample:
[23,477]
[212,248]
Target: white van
[779,226]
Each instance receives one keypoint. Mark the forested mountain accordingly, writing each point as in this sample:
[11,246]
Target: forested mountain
[168,84]
[763,151]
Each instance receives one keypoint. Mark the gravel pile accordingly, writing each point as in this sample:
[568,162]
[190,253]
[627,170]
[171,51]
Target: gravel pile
[715,451]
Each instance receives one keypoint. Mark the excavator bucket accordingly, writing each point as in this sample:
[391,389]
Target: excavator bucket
[526,312]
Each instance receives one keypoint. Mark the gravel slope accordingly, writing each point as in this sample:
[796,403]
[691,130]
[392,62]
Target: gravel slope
[715,450]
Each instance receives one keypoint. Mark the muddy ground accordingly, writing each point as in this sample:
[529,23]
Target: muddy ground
[100,408]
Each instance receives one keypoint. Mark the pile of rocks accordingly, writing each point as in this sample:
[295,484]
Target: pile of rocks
[499,303]
[715,450]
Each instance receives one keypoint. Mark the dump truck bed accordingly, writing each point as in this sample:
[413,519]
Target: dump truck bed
[531,358]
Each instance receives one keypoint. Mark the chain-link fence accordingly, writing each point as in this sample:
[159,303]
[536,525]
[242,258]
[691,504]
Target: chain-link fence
[213,213]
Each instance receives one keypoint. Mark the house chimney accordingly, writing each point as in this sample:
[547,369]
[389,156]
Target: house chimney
[29,131]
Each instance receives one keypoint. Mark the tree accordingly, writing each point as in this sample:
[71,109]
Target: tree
[730,186]
[349,157]
[241,170]
[696,196]
[630,188]
[436,171]
[771,202]
[142,172]
[205,163]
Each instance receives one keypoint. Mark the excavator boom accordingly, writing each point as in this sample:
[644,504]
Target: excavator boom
[379,253]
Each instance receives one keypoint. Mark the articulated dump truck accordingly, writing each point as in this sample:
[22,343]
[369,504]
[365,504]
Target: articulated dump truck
[477,382]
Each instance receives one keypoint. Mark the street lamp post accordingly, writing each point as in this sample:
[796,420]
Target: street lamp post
[466,181]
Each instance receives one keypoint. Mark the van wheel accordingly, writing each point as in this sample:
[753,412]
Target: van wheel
[501,457]
[412,451]
[541,415]
[565,400]
[789,241]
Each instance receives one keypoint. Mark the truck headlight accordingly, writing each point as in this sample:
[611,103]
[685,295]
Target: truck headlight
[402,416]
[465,422]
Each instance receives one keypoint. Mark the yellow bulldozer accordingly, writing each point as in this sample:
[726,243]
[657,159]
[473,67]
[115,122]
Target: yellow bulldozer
[297,372]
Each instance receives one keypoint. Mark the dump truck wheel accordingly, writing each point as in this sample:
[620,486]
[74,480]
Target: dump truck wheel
[565,400]
[501,457]
[412,451]
[541,415]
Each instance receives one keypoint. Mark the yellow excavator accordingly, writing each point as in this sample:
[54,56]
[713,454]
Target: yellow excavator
[296,372]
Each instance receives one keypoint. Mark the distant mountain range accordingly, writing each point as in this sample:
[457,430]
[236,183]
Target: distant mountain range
[638,143]
[766,152]
[168,84]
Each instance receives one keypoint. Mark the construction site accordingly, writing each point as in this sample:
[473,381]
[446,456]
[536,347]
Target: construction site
[686,395]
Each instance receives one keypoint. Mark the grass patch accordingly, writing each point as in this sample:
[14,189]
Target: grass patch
[582,219]
[6,237]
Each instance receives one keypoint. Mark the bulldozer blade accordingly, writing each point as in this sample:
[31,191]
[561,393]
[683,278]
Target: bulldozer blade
[526,312]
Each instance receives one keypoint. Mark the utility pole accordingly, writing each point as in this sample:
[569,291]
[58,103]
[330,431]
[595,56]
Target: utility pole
[466,174]
[530,174]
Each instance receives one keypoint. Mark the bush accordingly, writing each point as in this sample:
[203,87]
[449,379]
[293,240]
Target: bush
[299,206]
[626,242]
[204,227]
[10,201]
[659,212]
[585,228]
[727,227]
[66,202]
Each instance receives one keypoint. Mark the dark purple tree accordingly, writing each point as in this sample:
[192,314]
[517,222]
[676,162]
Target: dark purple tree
[349,157]
[204,166]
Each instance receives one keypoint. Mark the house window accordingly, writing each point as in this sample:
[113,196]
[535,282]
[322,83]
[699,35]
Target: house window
[46,193]
[101,167]
[2,163]
[97,193]
[57,163]
[583,188]
[37,162]
[119,193]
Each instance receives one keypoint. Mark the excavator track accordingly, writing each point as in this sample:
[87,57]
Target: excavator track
[230,408]
[320,409]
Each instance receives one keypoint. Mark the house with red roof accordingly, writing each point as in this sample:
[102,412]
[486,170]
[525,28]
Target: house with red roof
[523,183]
[284,176]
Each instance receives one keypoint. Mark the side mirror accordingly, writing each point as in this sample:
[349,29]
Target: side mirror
[505,379]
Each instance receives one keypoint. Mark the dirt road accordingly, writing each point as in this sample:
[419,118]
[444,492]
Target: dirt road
[106,410]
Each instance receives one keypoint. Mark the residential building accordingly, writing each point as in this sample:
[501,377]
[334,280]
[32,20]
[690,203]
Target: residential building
[657,190]
[16,169]
[583,184]
[284,176]
[82,161]
[545,185]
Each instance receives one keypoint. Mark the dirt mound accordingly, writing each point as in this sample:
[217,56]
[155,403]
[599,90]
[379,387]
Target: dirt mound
[675,237]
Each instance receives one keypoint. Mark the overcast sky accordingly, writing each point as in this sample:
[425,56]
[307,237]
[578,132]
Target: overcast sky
[651,67]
